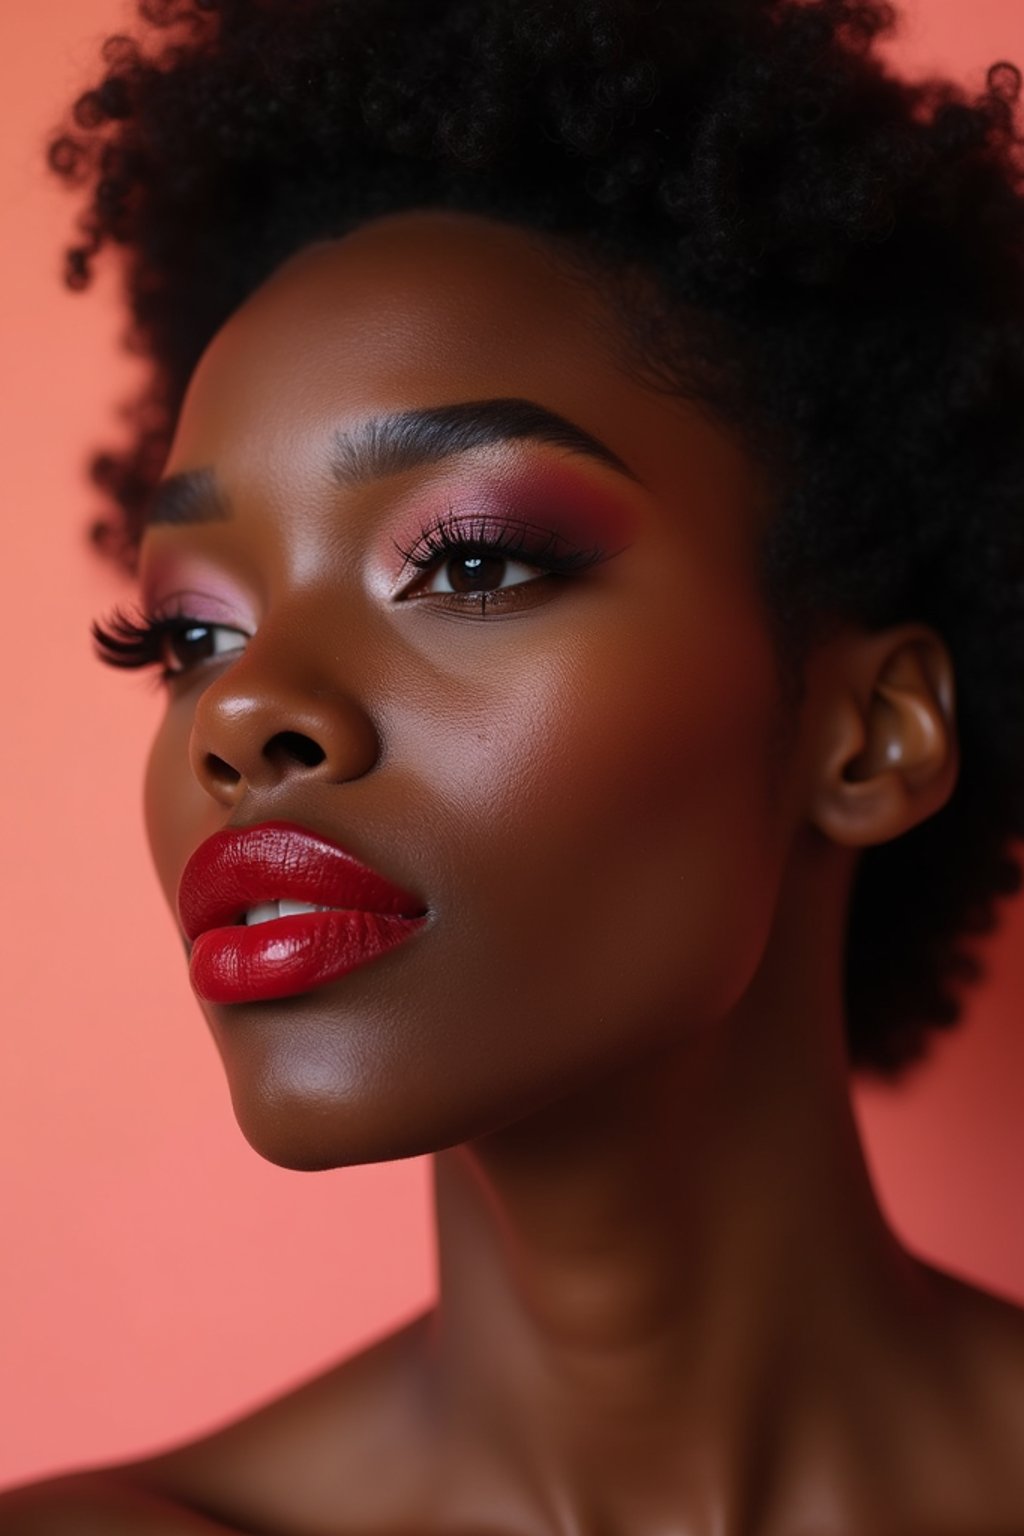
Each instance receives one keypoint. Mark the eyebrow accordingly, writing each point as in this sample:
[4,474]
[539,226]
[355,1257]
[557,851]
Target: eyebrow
[387,445]
[193,496]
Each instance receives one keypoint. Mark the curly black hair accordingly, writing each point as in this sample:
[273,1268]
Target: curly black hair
[855,241]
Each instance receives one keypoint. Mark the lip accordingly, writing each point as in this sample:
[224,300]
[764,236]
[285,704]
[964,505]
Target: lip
[239,868]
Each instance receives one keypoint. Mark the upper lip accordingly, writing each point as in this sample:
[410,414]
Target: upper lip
[239,867]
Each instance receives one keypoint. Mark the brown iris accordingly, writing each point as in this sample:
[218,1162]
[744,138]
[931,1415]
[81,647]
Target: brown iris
[475,573]
[186,644]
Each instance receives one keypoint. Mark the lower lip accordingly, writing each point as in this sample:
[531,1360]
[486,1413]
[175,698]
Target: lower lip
[290,955]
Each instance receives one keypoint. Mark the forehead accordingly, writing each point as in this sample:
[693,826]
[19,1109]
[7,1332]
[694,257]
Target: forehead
[412,303]
[430,308]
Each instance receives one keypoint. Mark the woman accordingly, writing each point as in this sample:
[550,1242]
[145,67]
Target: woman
[576,510]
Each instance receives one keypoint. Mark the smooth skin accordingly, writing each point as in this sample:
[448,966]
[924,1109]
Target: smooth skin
[668,1302]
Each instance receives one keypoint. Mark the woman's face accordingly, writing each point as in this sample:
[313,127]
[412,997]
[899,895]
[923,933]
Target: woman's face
[566,752]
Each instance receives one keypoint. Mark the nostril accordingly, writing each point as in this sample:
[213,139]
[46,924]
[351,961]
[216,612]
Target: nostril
[220,771]
[292,746]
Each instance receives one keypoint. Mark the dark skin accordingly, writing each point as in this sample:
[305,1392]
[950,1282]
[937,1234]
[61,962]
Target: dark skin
[668,1300]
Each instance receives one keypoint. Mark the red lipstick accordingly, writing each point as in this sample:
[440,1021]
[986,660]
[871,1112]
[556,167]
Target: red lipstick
[244,952]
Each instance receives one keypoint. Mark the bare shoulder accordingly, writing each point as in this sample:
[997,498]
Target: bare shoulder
[104,1502]
[349,1440]
[348,1447]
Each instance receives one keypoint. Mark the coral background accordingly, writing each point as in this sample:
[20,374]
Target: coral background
[156,1277]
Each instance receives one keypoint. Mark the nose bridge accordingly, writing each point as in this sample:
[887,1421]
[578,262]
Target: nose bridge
[277,712]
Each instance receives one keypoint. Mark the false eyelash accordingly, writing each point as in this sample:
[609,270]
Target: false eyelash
[529,542]
[128,640]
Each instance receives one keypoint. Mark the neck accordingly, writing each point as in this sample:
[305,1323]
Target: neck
[633,1279]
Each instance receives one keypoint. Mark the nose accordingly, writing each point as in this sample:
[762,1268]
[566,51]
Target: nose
[261,730]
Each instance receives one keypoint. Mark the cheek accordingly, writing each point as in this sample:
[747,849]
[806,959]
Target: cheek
[621,797]
[694,843]
[178,814]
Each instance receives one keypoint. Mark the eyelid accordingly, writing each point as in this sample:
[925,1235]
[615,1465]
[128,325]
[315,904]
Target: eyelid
[202,607]
[513,536]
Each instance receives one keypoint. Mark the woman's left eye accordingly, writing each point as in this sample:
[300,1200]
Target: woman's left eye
[479,572]
[186,643]
[173,644]
[478,563]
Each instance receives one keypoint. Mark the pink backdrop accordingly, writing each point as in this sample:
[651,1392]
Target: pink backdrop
[156,1275]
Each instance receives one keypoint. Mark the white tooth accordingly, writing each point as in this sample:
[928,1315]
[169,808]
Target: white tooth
[265,912]
[291,908]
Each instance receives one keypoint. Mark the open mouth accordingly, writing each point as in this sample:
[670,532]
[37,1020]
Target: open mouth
[223,896]
[268,911]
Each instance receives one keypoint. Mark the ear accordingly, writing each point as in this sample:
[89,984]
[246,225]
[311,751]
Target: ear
[890,755]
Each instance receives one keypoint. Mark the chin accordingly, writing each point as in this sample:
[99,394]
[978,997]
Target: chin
[317,1085]
[309,1143]
[297,1120]
[311,1131]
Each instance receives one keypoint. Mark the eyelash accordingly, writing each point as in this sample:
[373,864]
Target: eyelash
[450,536]
[128,640]
[133,640]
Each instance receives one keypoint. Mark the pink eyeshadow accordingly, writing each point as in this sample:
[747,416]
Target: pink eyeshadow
[553,498]
[191,586]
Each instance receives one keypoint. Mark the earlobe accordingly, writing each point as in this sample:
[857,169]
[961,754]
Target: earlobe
[891,755]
